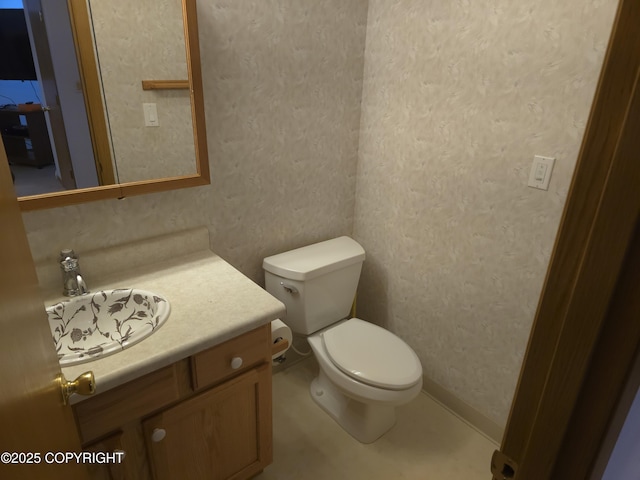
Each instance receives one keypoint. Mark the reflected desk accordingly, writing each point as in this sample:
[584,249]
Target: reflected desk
[26,144]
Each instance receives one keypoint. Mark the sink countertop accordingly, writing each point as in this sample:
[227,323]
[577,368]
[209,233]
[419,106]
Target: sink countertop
[211,302]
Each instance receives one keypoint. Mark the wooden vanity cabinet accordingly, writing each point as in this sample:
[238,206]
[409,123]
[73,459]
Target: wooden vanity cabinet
[214,435]
[208,416]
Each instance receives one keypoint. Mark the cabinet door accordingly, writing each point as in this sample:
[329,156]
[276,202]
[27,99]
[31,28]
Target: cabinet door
[222,433]
[107,471]
[133,463]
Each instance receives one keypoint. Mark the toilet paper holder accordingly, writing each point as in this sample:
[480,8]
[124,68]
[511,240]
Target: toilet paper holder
[279,347]
[281,338]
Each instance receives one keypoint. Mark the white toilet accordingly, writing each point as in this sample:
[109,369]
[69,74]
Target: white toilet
[365,370]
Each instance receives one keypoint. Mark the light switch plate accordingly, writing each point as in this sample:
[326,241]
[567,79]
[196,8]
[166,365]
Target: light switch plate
[150,115]
[541,172]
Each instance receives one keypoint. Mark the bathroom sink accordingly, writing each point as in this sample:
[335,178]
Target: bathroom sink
[102,323]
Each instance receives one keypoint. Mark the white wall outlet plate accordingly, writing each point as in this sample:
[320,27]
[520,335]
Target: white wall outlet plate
[541,172]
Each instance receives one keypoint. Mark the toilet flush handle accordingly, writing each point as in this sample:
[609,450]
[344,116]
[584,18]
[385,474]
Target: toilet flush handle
[289,288]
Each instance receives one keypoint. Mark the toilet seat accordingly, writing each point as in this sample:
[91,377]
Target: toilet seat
[372,355]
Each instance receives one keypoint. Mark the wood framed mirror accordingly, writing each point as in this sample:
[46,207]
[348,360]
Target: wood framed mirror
[130,55]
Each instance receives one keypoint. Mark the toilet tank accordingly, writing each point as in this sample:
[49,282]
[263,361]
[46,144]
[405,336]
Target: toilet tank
[317,283]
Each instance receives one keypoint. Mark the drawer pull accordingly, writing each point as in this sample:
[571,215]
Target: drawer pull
[236,363]
[158,434]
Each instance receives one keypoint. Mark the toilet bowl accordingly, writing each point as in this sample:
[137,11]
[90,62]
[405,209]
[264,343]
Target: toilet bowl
[365,371]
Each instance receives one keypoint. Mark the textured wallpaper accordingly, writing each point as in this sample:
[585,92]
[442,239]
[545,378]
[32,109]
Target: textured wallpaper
[135,41]
[458,97]
[283,83]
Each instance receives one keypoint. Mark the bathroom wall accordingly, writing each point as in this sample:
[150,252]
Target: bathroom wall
[458,97]
[283,83]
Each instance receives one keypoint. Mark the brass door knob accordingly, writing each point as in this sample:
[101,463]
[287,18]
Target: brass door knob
[85,384]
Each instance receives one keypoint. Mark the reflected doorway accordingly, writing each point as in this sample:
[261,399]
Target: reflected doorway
[41,98]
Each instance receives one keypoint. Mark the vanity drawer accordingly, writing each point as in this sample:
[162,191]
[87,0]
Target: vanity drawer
[108,411]
[220,362]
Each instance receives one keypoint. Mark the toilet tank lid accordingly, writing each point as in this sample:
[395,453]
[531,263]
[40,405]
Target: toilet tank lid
[314,260]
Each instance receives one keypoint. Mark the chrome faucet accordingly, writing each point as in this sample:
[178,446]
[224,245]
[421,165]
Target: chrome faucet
[71,277]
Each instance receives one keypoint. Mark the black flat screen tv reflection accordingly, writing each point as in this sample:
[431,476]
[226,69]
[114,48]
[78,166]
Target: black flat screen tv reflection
[16,60]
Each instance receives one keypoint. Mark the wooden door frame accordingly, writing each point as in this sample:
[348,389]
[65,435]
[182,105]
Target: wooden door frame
[572,325]
[81,28]
[604,393]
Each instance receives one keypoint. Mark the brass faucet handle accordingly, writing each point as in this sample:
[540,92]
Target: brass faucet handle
[85,384]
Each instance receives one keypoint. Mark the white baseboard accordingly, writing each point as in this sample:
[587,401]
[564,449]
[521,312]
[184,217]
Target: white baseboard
[463,411]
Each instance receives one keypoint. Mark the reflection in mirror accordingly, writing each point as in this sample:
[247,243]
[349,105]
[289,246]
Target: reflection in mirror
[147,142]
[107,128]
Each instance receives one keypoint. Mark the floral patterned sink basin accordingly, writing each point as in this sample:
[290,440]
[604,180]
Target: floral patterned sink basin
[103,323]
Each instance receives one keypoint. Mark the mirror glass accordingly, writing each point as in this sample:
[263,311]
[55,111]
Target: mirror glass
[136,41]
[100,94]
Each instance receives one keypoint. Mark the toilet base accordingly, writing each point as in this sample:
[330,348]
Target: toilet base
[364,422]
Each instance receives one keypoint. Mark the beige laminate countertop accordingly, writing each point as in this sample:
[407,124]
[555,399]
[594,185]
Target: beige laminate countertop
[211,302]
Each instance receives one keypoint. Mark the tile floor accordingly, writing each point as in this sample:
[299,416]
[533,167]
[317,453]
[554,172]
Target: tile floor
[427,442]
[32,181]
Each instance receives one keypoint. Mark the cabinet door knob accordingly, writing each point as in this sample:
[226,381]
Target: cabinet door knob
[236,362]
[158,434]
